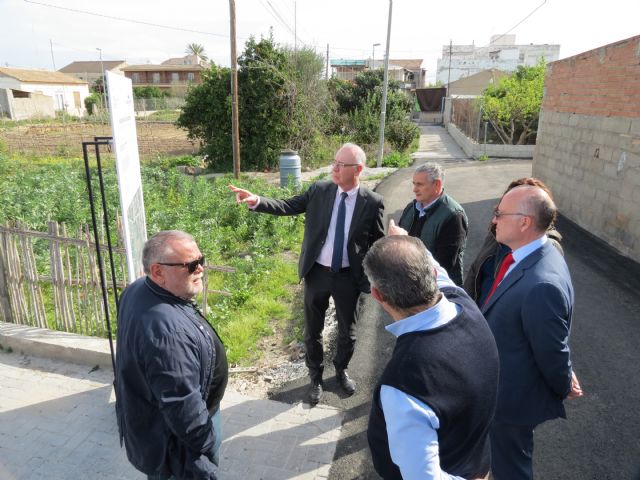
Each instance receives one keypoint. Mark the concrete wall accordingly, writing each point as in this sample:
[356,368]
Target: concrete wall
[34,106]
[5,103]
[588,145]
[66,97]
[475,150]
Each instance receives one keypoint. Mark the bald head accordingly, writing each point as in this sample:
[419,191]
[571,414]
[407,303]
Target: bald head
[538,203]
[525,213]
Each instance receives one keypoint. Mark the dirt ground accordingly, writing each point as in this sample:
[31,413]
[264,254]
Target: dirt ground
[154,139]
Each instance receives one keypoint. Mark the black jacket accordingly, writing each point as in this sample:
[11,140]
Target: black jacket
[165,366]
[317,204]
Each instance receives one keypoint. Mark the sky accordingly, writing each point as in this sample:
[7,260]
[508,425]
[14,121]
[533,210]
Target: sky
[41,33]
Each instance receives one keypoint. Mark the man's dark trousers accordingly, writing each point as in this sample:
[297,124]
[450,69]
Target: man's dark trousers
[320,284]
[511,451]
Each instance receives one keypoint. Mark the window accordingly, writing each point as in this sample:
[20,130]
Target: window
[156,78]
[191,77]
[76,100]
[175,77]
[135,78]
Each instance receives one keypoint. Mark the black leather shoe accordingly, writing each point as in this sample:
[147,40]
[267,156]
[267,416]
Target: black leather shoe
[348,385]
[315,392]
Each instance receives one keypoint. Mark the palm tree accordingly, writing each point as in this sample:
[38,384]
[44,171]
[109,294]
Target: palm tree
[196,49]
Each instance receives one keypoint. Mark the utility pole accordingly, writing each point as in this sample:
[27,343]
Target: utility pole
[235,124]
[326,68]
[52,59]
[449,77]
[103,98]
[373,55]
[383,112]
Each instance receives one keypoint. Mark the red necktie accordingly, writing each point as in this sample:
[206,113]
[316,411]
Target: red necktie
[506,263]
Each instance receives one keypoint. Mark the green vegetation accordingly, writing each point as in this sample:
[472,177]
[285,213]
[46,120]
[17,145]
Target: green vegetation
[91,101]
[196,49]
[513,105]
[285,103]
[261,248]
[163,116]
[397,160]
[148,92]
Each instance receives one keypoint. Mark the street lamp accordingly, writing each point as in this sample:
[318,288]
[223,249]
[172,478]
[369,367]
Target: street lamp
[373,55]
[385,85]
[104,83]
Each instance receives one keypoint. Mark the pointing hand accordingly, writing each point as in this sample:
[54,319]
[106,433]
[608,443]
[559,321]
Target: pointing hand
[244,196]
[395,229]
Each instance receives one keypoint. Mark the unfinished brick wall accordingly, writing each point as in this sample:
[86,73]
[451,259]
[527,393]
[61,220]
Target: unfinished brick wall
[588,145]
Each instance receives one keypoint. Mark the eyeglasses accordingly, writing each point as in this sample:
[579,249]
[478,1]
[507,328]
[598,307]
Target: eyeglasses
[342,164]
[497,213]
[191,266]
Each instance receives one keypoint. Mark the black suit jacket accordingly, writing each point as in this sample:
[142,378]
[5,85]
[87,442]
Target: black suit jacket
[317,203]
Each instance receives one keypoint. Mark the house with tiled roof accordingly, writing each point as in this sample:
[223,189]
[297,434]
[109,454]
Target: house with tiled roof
[172,78]
[408,72]
[91,71]
[65,93]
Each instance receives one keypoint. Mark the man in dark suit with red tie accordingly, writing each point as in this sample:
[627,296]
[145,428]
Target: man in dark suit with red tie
[529,310]
[342,221]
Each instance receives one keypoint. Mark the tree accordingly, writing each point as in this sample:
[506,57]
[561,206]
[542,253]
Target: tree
[196,49]
[311,103]
[265,104]
[359,105]
[513,105]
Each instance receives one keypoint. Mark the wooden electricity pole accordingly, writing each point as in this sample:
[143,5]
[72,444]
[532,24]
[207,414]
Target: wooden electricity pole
[235,122]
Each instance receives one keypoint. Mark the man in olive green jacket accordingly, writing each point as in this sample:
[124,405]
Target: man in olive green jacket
[437,219]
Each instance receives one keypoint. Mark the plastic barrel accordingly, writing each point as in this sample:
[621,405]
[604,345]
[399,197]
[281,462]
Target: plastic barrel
[289,167]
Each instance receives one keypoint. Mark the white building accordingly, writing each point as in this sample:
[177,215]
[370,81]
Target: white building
[502,54]
[67,92]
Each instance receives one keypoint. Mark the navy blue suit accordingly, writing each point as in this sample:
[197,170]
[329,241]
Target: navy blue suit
[530,317]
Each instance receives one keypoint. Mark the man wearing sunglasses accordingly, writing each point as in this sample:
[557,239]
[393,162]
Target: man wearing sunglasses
[171,369]
[342,221]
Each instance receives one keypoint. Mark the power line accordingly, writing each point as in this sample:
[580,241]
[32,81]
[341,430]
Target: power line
[512,28]
[121,19]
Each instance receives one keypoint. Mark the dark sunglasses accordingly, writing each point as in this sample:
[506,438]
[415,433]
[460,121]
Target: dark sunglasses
[191,266]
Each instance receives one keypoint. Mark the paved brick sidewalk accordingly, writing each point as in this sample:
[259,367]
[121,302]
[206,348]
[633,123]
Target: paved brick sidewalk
[57,422]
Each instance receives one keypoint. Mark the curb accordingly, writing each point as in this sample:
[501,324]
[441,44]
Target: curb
[65,346]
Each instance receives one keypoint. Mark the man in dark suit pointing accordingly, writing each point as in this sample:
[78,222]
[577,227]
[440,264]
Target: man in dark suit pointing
[343,220]
[529,310]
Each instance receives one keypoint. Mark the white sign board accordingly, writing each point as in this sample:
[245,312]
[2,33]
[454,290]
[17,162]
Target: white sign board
[123,123]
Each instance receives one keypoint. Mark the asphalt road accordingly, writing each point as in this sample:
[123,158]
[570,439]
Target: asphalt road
[601,438]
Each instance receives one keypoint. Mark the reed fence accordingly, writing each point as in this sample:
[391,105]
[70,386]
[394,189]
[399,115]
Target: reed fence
[52,279]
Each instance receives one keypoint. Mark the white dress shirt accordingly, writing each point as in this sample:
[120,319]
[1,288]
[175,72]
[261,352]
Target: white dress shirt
[326,253]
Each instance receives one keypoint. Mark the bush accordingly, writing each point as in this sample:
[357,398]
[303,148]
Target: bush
[364,122]
[397,160]
[401,133]
[148,92]
[91,101]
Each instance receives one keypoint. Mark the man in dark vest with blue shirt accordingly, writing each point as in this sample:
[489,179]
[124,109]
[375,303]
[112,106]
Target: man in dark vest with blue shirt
[432,409]
[437,219]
